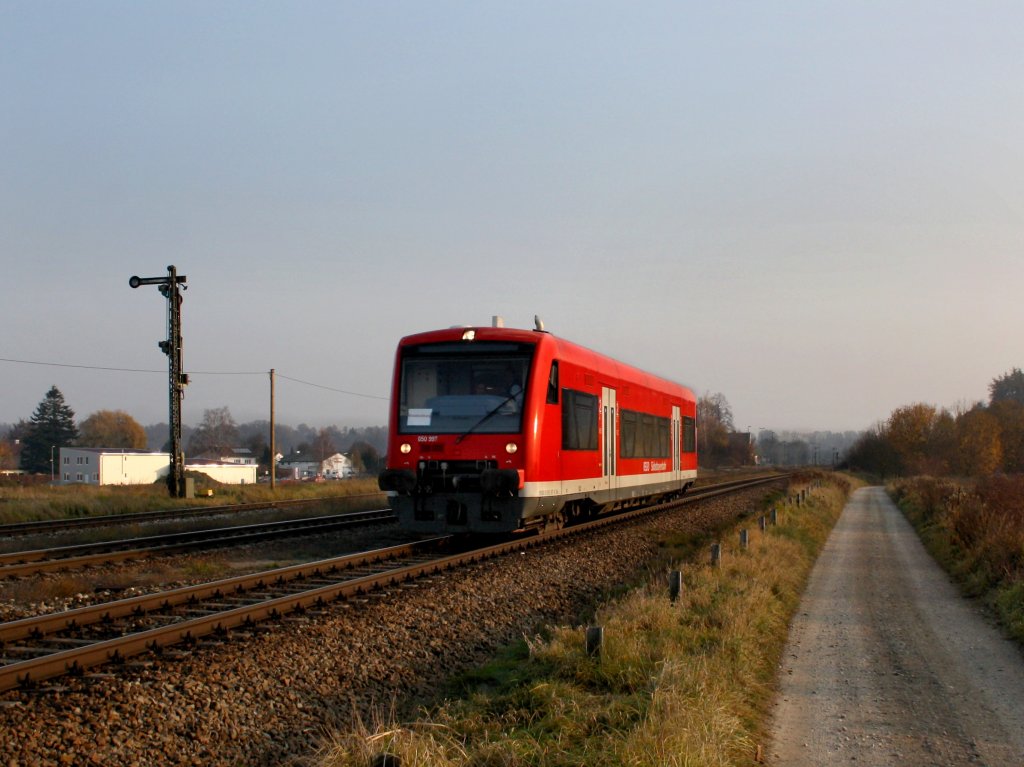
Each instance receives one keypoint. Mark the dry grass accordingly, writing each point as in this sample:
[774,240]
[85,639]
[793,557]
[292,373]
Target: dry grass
[29,503]
[688,683]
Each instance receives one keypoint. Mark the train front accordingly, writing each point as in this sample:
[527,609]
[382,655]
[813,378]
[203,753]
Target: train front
[456,443]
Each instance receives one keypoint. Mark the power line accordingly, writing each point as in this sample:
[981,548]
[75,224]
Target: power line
[193,373]
[82,367]
[330,388]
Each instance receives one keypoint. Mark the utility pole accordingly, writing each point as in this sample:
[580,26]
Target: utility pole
[177,379]
[273,447]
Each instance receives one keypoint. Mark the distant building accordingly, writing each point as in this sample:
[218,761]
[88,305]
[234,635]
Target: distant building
[242,456]
[225,473]
[302,467]
[116,466]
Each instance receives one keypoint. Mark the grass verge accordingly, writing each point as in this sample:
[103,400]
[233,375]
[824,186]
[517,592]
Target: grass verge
[683,683]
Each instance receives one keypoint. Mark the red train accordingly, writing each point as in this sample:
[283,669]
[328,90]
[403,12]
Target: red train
[494,429]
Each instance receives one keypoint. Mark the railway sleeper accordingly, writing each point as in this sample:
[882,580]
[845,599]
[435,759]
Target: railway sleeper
[70,641]
[298,588]
[157,617]
[32,652]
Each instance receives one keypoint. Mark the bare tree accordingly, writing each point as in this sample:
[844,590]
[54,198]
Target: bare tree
[323,445]
[714,422]
[216,434]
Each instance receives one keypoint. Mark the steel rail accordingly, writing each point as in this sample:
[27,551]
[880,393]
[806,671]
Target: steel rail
[20,563]
[42,625]
[58,663]
[61,662]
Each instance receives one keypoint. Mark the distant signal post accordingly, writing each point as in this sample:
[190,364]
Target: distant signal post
[177,380]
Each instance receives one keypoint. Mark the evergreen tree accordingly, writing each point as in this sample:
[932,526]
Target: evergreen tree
[52,426]
[1009,386]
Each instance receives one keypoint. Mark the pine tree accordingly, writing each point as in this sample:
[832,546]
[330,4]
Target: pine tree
[52,426]
[1007,387]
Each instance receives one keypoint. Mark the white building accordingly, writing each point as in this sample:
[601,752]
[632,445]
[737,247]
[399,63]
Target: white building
[225,473]
[296,466]
[117,466]
[240,455]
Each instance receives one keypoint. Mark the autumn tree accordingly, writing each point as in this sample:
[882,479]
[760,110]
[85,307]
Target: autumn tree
[908,431]
[980,448]
[52,426]
[10,447]
[1010,415]
[7,454]
[216,434]
[111,428]
[941,445]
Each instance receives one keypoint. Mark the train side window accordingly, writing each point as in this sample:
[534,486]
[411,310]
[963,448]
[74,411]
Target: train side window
[642,435]
[579,420]
[689,435]
[553,384]
[627,433]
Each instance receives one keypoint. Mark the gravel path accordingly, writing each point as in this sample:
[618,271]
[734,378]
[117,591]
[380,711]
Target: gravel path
[888,665]
[270,699]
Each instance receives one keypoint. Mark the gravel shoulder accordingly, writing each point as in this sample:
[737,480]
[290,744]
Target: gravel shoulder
[887,664]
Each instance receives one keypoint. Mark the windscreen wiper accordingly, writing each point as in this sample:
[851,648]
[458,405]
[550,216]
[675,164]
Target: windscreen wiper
[487,416]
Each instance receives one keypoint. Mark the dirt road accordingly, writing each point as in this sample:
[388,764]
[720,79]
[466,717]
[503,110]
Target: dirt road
[887,665]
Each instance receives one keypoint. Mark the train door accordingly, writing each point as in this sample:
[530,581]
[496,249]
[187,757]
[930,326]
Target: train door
[677,433]
[610,437]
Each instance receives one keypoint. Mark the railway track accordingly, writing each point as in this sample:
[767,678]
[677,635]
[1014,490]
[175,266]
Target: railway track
[22,563]
[44,647]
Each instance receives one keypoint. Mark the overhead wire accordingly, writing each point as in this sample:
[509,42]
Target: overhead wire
[196,372]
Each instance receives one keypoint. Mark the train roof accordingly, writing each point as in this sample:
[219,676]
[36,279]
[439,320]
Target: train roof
[562,349]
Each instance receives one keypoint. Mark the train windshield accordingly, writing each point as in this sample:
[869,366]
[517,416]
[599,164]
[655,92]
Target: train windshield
[477,387]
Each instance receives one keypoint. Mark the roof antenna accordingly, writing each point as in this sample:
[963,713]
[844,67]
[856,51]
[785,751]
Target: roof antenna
[537,323]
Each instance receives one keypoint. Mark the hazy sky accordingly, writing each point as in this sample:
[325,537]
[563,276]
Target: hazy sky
[814,208]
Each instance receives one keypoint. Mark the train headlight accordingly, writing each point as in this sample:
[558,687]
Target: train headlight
[405,448]
[511,447]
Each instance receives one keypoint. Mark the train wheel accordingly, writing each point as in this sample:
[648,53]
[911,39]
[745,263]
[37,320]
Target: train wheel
[554,522]
[573,513]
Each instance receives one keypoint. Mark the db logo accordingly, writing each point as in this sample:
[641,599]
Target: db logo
[647,465]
